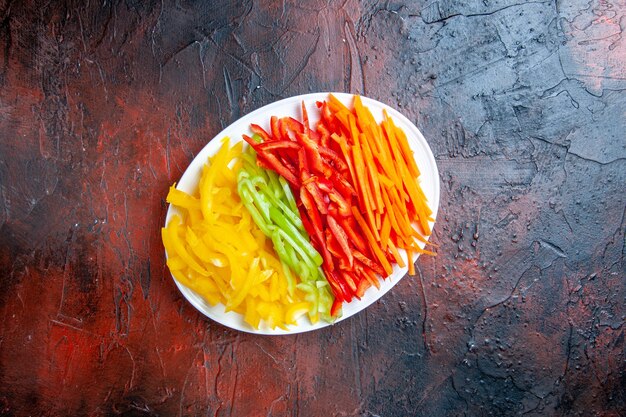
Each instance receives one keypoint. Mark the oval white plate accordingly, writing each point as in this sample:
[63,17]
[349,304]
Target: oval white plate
[429,181]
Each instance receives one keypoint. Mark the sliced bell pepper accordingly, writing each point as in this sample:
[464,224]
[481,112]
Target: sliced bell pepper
[342,238]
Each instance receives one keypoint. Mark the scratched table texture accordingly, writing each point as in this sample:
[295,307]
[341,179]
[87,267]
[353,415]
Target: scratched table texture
[103,106]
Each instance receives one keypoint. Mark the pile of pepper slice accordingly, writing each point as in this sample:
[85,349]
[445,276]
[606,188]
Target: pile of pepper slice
[336,203]
[324,172]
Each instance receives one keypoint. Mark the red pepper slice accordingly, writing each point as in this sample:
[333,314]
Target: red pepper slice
[327,114]
[329,119]
[305,119]
[313,154]
[282,128]
[260,131]
[311,210]
[267,159]
[303,162]
[350,226]
[367,273]
[335,286]
[291,124]
[334,310]
[335,249]
[316,227]
[324,134]
[343,264]
[363,285]
[273,145]
[263,164]
[291,167]
[344,208]
[342,238]
[315,137]
[308,226]
[346,293]
[368,262]
[342,185]
[325,184]
[329,265]
[350,282]
[333,157]
[251,142]
[309,182]
[275,129]
[341,290]
[313,188]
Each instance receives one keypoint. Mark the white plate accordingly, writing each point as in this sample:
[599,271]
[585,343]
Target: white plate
[429,181]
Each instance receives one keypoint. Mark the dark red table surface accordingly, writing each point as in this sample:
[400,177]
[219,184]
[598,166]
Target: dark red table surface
[103,106]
